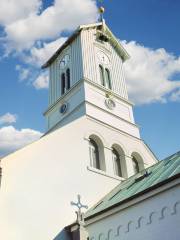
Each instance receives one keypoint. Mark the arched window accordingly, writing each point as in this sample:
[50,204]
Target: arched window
[94,154]
[63,83]
[101,71]
[135,165]
[107,78]
[117,162]
[68,79]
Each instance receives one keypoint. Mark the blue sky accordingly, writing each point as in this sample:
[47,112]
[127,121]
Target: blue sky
[148,30]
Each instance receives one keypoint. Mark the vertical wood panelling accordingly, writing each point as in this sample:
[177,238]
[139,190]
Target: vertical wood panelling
[53,83]
[119,85]
[83,63]
[76,61]
[90,67]
[76,69]
[89,62]
[50,85]
[55,78]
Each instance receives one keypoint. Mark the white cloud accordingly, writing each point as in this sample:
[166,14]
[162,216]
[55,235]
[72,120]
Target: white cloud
[12,139]
[35,58]
[49,24]
[28,29]
[13,10]
[42,81]
[8,118]
[175,96]
[24,73]
[39,55]
[149,74]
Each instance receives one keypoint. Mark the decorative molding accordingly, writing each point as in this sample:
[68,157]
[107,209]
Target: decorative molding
[130,223]
[175,208]
[140,222]
[109,234]
[101,236]
[163,212]
[151,217]
[118,230]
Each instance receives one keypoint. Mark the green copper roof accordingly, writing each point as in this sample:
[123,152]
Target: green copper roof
[140,183]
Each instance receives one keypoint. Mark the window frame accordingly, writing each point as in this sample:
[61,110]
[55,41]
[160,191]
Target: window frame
[94,156]
[105,77]
[135,164]
[65,81]
[117,163]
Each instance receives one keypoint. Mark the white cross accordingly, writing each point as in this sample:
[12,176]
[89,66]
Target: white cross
[79,205]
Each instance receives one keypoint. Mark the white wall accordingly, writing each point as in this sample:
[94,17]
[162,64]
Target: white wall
[155,218]
[120,117]
[40,180]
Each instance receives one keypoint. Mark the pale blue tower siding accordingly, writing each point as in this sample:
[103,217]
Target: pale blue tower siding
[75,65]
[90,46]
[83,64]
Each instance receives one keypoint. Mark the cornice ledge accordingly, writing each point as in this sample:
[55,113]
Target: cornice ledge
[112,93]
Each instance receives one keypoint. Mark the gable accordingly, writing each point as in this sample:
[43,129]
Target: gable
[103,30]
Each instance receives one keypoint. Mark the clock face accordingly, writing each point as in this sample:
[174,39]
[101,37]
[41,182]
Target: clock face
[64,61]
[103,58]
[63,108]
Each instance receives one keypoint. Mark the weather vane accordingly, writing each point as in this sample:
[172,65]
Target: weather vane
[79,205]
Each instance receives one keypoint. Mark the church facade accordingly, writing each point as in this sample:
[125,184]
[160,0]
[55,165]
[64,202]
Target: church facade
[91,144]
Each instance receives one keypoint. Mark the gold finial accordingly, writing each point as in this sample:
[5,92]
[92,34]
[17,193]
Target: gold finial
[101,11]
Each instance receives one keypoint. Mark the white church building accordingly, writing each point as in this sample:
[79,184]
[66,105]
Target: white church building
[91,145]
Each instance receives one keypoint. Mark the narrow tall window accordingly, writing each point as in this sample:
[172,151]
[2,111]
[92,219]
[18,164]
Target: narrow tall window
[63,83]
[107,78]
[117,163]
[94,154]
[68,78]
[101,71]
[135,165]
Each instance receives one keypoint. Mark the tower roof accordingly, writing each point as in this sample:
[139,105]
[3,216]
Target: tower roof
[112,39]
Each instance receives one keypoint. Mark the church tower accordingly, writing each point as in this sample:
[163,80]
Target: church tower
[87,80]
[91,144]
